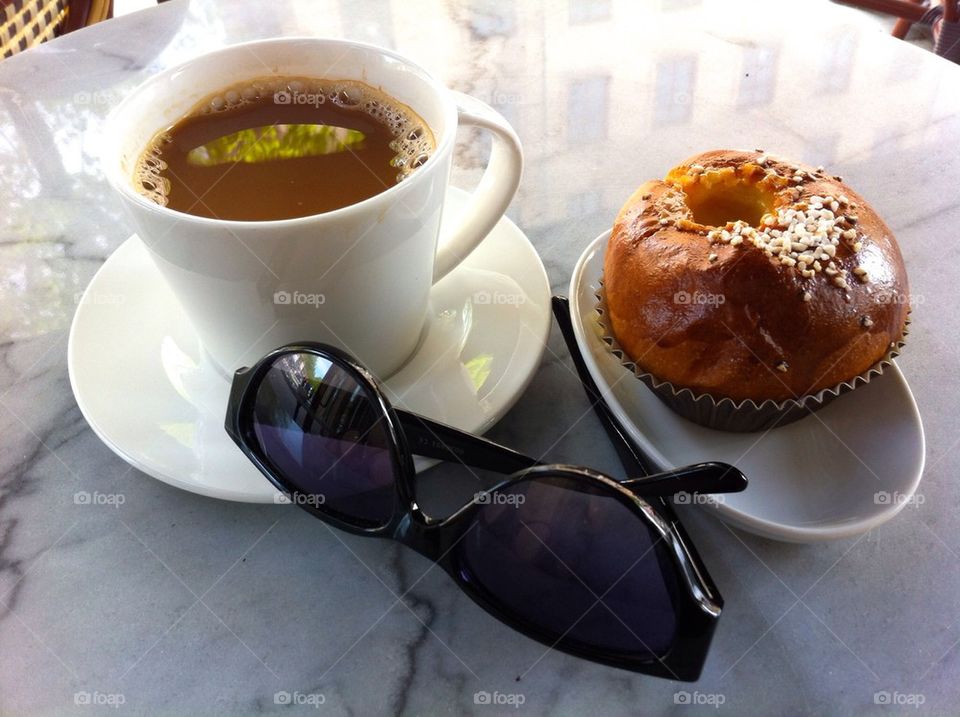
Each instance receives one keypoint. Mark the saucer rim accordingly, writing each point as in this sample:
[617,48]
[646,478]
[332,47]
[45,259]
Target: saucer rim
[750,522]
[74,351]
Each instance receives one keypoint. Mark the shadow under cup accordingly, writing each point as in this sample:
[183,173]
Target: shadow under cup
[357,277]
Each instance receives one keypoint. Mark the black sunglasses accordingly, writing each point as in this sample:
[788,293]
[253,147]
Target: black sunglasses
[586,564]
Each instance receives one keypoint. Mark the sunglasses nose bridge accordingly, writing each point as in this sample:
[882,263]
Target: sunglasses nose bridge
[428,538]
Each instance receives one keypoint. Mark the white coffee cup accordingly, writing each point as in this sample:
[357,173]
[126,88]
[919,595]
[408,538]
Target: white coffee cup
[358,277]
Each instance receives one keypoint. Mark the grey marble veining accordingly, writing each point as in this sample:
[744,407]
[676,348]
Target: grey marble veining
[172,603]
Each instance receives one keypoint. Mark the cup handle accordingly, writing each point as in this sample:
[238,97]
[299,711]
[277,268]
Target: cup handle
[496,189]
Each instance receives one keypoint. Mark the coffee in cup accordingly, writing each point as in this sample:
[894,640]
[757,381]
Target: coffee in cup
[279,148]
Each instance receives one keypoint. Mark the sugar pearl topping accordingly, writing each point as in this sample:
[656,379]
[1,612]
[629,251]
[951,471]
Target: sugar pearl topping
[802,222]
[803,234]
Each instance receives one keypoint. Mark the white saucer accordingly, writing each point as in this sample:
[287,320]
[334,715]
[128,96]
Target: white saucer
[140,378]
[839,472]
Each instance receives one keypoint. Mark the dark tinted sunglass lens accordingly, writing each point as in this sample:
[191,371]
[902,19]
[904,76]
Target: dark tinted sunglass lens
[570,559]
[327,435]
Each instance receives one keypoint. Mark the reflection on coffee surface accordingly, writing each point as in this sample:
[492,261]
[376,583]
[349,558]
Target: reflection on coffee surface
[283,148]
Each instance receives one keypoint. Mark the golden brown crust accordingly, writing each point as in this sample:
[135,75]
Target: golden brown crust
[737,324]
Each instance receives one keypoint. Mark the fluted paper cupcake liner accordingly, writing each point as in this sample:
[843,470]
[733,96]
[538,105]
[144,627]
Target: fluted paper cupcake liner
[726,414]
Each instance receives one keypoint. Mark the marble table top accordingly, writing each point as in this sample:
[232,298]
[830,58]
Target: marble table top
[172,603]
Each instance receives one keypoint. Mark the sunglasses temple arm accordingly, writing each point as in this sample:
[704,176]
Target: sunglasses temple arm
[634,460]
[701,478]
[437,440]
[698,478]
